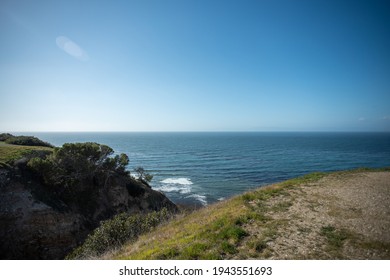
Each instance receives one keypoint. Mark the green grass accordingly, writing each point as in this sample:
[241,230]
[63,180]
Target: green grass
[216,232]
[209,233]
[334,237]
[10,153]
[306,179]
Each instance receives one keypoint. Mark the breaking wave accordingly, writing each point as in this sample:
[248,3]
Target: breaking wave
[198,197]
[181,186]
[178,185]
[177,181]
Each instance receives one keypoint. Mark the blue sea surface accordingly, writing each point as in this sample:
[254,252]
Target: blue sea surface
[202,168]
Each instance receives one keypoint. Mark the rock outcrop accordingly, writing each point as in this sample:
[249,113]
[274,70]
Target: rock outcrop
[34,225]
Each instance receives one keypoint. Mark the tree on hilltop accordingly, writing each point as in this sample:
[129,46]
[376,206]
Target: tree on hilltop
[143,176]
[74,163]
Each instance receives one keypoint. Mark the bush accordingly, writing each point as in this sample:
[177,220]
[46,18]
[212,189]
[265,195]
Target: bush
[115,232]
[26,141]
[5,136]
[143,176]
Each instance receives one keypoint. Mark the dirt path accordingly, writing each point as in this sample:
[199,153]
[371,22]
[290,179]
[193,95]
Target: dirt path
[342,216]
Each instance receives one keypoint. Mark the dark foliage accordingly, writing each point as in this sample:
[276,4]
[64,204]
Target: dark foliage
[5,136]
[76,171]
[143,176]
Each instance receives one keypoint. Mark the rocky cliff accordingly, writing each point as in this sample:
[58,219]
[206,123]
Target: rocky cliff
[35,224]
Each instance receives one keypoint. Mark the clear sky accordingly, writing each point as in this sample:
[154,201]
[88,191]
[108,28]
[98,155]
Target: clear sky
[261,65]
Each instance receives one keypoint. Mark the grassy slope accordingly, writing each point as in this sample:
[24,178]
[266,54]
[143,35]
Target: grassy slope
[222,231]
[9,153]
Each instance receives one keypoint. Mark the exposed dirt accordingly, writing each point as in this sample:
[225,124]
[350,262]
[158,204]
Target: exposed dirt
[342,216]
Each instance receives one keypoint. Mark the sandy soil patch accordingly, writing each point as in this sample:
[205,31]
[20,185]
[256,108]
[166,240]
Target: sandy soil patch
[342,216]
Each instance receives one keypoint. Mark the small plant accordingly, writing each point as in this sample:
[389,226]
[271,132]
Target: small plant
[232,232]
[282,206]
[259,245]
[306,179]
[228,248]
[114,232]
[142,175]
[335,237]
[194,251]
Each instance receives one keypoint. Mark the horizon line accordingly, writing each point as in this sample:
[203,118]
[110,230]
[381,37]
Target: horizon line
[203,131]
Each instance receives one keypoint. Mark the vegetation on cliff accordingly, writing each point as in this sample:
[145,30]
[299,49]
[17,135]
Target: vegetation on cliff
[113,233]
[76,173]
[69,190]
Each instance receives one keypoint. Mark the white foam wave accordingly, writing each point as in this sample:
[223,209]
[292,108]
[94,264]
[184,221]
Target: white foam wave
[179,185]
[198,197]
[182,189]
[177,181]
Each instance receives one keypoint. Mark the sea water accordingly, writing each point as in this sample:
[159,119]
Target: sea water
[202,168]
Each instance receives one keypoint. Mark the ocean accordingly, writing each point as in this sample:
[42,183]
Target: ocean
[202,168]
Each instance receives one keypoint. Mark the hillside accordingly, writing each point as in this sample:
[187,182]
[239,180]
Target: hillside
[342,215]
[52,198]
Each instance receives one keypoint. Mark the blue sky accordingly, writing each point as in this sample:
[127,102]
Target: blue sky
[265,65]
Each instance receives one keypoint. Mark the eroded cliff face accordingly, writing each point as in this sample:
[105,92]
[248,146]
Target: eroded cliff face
[33,225]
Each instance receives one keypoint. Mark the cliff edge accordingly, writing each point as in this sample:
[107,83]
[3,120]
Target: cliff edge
[44,214]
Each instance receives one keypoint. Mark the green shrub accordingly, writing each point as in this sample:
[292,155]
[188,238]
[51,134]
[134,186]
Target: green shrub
[77,172]
[114,232]
[74,163]
[194,251]
[5,136]
[232,232]
[228,248]
[143,176]
[334,236]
